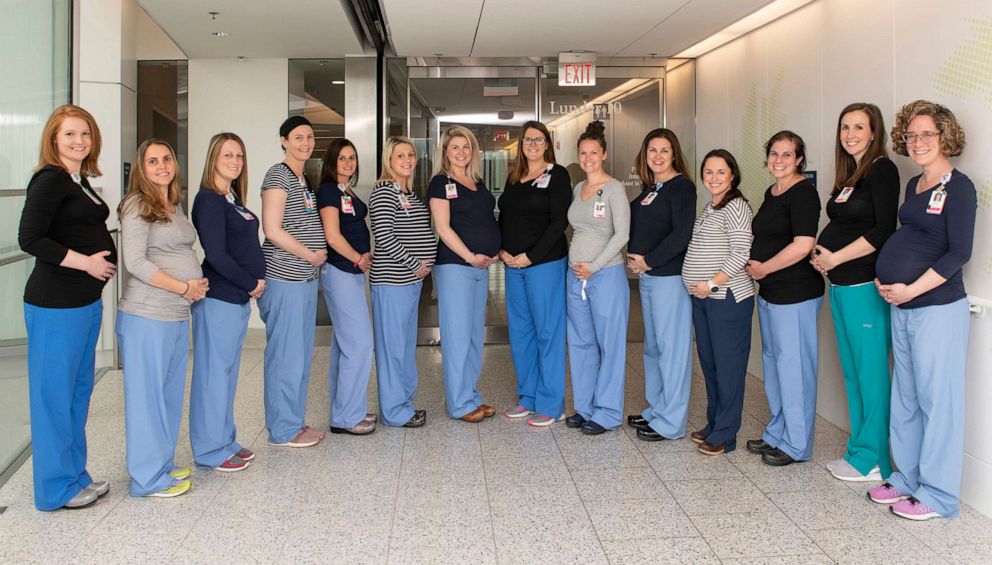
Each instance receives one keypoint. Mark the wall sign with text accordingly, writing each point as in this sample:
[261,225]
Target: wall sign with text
[576,69]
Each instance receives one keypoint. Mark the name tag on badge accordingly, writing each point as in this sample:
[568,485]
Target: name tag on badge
[543,181]
[599,210]
[450,191]
[244,213]
[346,206]
[937,200]
[404,201]
[844,194]
[308,201]
[649,198]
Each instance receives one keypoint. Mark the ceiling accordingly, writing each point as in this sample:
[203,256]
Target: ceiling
[452,28]
[293,29]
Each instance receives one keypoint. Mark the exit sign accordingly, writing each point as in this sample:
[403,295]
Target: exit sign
[576,69]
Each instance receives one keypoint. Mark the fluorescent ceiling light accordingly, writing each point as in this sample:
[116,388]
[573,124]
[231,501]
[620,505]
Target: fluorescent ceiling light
[769,13]
[489,118]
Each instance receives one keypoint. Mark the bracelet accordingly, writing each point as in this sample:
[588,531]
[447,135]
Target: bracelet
[185,291]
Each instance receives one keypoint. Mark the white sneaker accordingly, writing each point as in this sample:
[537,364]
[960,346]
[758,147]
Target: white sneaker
[844,471]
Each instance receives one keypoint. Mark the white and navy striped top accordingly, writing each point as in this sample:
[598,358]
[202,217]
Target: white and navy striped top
[301,221]
[403,235]
[721,242]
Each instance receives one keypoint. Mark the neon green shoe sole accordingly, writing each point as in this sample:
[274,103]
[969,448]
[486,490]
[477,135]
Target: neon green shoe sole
[177,488]
[180,473]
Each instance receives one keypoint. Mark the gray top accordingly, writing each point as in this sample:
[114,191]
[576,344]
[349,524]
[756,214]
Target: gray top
[149,247]
[599,240]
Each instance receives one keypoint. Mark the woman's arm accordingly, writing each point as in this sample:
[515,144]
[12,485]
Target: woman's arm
[329,216]
[620,215]
[273,211]
[209,219]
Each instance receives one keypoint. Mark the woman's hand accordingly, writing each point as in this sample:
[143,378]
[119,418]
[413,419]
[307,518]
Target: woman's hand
[480,261]
[823,259]
[317,258]
[365,262]
[756,270]
[895,294]
[424,269]
[581,270]
[522,261]
[259,289]
[197,290]
[636,264]
[700,289]
[99,268]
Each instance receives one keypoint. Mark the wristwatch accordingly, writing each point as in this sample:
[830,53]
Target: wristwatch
[712,286]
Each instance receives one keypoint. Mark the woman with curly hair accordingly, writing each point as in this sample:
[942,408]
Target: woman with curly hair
[919,274]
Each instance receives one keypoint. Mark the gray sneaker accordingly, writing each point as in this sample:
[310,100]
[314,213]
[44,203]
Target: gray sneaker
[99,487]
[82,499]
[844,471]
[362,428]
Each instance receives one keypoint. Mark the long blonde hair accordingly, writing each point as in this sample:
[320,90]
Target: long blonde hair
[143,194]
[49,154]
[240,184]
[441,164]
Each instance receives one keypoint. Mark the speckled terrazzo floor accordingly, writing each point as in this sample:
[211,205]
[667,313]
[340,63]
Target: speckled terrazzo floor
[495,492]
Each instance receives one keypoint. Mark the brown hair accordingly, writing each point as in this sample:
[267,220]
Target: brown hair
[240,184]
[786,135]
[329,168]
[520,169]
[596,131]
[143,194]
[728,158]
[847,172]
[641,162]
[952,140]
[49,154]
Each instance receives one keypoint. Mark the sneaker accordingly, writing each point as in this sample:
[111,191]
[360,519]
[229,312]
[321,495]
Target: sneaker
[177,488]
[99,487]
[697,437]
[232,465]
[542,421]
[885,493]
[418,419]
[517,412]
[707,448]
[844,471]
[371,418]
[913,509]
[245,454]
[83,498]
[306,438]
[362,428]
[180,473]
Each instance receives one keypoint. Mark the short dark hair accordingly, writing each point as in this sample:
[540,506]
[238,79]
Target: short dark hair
[329,168]
[735,191]
[786,135]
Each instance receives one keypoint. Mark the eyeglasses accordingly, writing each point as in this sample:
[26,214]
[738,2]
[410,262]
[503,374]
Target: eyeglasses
[533,141]
[924,136]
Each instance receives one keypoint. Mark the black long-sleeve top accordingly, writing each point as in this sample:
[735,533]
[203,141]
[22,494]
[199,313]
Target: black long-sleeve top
[869,212]
[533,220]
[59,216]
[661,230]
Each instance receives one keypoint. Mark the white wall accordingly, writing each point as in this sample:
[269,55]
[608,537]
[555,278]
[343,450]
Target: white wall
[249,99]
[799,72]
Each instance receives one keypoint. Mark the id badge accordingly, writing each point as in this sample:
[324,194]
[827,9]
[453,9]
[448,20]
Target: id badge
[937,200]
[346,206]
[450,191]
[649,198]
[404,201]
[311,206]
[844,194]
[244,213]
[545,179]
[599,210]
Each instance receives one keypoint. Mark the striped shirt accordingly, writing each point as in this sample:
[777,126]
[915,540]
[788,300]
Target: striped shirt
[401,225]
[721,242]
[300,220]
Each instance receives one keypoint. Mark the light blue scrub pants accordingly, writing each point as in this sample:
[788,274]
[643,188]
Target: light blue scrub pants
[535,308]
[289,310]
[790,361]
[667,313]
[461,300]
[219,330]
[351,345]
[154,355]
[61,353]
[597,343]
[929,345]
[394,309]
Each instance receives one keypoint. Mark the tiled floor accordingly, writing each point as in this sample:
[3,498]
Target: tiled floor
[496,492]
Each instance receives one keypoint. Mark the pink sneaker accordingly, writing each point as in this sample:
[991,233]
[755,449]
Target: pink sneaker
[885,493]
[517,412]
[246,454]
[913,509]
[541,421]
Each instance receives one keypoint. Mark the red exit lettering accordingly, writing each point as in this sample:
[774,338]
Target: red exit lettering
[578,73]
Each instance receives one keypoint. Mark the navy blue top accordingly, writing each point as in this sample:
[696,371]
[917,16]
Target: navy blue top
[233,260]
[939,241]
[661,230]
[352,226]
[471,217]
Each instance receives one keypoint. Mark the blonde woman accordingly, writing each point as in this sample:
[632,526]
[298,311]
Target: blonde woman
[153,319]
[462,208]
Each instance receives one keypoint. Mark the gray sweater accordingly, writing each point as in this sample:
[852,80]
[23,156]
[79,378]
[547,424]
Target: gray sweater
[599,240]
[149,247]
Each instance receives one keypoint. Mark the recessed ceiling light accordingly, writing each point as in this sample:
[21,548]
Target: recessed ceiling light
[219,33]
[337,82]
[241,59]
